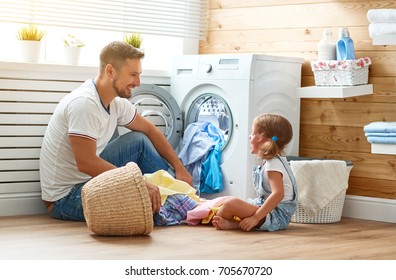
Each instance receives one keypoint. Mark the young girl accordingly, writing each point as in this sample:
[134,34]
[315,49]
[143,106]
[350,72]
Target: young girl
[273,180]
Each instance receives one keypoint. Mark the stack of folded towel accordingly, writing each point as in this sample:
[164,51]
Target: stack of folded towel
[382,22]
[381,132]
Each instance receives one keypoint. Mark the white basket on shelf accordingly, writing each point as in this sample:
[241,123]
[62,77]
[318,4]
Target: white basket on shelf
[341,72]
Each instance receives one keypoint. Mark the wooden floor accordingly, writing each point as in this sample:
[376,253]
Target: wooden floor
[39,237]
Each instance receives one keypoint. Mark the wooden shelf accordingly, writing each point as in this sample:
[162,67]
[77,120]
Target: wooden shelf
[334,91]
[384,39]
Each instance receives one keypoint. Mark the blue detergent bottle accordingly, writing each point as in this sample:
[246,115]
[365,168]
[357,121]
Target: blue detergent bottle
[345,48]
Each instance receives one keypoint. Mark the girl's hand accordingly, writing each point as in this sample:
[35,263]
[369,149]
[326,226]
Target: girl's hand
[248,223]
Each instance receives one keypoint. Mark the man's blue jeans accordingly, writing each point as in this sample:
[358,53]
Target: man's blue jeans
[132,146]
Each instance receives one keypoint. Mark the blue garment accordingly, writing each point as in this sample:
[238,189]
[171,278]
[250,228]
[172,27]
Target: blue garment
[199,139]
[174,211]
[280,217]
[211,176]
[69,207]
[132,146]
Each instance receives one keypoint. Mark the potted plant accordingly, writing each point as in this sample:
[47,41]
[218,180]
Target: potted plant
[134,39]
[73,41]
[29,37]
[72,46]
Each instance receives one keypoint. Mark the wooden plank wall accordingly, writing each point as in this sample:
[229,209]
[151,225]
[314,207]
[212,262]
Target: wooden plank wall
[330,128]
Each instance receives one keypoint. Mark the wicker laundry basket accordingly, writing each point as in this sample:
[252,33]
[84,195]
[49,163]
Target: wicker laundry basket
[331,213]
[341,72]
[117,203]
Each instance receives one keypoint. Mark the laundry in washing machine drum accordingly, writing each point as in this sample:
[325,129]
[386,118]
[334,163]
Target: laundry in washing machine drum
[201,154]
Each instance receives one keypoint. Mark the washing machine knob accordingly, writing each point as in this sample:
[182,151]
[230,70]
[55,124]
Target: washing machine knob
[208,67]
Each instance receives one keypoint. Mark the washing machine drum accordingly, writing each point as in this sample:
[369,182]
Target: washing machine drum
[209,107]
[159,107]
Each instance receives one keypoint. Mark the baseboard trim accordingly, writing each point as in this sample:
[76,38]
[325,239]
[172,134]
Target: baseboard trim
[21,204]
[370,208]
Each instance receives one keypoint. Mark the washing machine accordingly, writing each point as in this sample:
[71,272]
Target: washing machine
[229,90]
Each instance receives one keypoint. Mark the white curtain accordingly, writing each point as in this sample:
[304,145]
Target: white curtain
[180,18]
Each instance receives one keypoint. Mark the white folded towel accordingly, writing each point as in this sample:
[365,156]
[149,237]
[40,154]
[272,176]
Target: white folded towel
[381,28]
[381,15]
[319,182]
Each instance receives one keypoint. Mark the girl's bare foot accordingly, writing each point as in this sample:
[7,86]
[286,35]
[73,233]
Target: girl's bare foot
[223,224]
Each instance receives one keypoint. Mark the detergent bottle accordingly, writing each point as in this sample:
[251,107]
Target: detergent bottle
[345,48]
[326,48]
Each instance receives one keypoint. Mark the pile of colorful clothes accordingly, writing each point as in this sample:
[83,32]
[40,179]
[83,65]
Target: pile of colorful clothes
[179,202]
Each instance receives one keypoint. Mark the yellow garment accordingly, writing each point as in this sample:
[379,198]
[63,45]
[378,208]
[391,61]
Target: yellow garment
[237,219]
[212,212]
[169,185]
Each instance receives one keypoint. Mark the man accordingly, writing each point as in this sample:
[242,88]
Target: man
[76,144]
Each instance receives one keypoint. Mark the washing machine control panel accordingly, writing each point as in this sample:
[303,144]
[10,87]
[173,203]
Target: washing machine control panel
[228,63]
[223,68]
[208,67]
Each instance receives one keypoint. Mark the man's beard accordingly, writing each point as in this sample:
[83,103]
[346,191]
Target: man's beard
[123,93]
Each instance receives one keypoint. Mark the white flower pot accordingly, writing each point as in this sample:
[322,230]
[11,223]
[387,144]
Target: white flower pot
[72,55]
[29,50]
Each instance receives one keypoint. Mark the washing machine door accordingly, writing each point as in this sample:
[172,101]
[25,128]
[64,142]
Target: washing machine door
[211,107]
[159,107]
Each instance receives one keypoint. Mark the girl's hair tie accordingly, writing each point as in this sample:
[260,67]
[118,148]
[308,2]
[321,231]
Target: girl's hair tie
[274,138]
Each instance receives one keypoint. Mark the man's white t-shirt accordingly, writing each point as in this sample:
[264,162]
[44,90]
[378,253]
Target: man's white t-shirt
[80,113]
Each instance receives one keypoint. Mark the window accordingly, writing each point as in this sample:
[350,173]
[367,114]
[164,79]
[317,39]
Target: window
[168,27]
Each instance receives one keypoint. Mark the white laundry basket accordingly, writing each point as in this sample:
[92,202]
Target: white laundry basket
[331,213]
[341,72]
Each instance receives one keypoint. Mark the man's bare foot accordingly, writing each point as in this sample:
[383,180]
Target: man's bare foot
[223,224]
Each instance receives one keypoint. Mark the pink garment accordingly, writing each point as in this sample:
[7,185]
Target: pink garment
[202,211]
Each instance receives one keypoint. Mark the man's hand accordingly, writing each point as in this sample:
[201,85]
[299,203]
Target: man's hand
[155,196]
[183,175]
